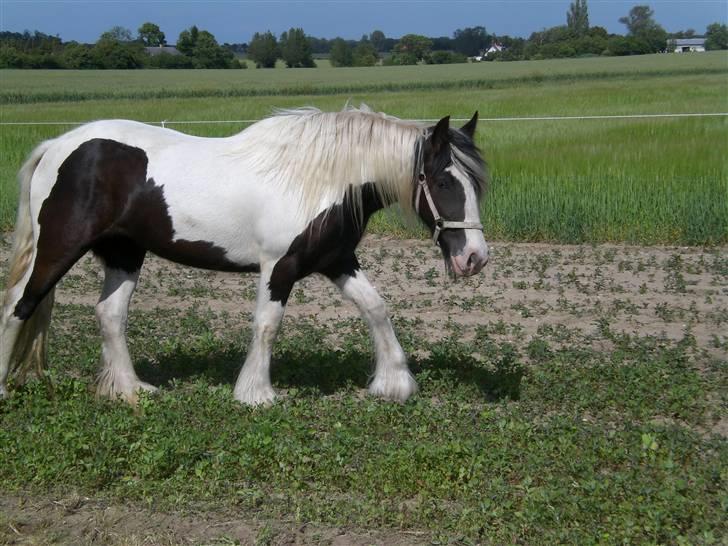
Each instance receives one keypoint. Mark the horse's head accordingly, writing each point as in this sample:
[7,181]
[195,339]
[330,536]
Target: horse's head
[447,193]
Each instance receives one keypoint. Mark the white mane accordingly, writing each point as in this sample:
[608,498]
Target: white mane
[319,155]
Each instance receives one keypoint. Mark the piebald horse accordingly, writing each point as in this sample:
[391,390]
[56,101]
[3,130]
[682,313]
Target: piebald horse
[288,196]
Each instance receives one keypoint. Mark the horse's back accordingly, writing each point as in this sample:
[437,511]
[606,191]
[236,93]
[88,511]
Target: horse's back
[188,199]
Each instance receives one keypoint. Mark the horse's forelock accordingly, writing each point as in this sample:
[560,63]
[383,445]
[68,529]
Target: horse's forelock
[467,156]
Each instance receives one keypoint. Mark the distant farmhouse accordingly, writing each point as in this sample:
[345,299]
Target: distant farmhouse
[495,48]
[688,45]
[157,50]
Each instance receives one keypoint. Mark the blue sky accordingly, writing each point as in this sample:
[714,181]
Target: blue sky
[237,20]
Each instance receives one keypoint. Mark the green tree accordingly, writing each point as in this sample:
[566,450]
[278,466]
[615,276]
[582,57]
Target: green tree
[201,51]
[413,46]
[116,50]
[295,49]
[470,41]
[187,40]
[263,50]
[10,57]
[716,36]
[151,35]
[577,18]
[446,57]
[117,34]
[207,53]
[649,36]
[365,54]
[341,53]
[378,39]
[689,33]
[77,56]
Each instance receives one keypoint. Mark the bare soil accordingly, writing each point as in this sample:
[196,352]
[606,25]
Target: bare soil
[661,291]
[77,520]
[670,292]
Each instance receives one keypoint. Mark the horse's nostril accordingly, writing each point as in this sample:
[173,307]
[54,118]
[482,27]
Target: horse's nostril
[472,259]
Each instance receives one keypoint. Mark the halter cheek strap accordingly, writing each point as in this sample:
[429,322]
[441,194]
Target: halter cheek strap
[440,224]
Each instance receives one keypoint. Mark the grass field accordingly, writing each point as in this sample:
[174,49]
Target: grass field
[636,180]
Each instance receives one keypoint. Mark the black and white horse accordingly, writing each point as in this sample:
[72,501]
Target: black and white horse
[289,196]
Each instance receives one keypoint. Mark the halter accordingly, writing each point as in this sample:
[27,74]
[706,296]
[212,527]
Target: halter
[440,224]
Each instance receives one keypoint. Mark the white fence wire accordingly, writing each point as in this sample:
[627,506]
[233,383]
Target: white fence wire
[164,123]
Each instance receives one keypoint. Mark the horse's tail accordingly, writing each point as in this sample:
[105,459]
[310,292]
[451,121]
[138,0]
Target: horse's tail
[25,343]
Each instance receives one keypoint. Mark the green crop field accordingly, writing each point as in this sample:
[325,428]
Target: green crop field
[43,85]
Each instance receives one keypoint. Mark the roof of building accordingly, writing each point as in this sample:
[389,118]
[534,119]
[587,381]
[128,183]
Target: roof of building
[690,41]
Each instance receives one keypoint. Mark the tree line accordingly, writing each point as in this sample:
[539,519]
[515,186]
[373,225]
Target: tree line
[118,48]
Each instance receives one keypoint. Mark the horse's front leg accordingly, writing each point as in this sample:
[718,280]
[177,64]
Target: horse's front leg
[253,386]
[392,378]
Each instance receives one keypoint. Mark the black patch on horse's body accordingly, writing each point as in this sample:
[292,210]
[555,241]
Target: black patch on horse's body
[327,244]
[102,201]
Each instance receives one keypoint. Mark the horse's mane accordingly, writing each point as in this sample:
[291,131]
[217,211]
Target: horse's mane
[321,155]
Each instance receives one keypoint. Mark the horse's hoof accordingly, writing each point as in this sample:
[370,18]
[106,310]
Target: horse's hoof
[127,393]
[258,397]
[397,385]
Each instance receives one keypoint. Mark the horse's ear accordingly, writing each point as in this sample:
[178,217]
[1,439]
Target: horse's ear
[440,137]
[469,127]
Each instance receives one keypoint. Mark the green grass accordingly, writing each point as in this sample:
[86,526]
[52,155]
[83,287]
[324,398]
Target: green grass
[638,180]
[491,450]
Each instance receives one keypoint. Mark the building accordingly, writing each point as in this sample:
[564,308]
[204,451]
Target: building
[495,48]
[688,45]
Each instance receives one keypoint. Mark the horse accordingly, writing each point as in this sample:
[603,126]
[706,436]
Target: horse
[288,196]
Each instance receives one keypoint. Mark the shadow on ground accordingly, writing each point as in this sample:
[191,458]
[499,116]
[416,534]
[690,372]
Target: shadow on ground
[327,371]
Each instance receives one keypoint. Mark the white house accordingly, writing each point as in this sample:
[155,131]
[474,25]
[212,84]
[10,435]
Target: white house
[495,48]
[689,45]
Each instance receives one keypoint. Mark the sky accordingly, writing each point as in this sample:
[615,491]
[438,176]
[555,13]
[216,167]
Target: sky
[235,21]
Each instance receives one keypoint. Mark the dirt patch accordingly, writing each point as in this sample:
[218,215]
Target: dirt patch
[86,521]
[671,292]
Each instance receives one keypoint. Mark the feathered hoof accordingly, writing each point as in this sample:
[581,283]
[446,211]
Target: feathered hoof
[3,392]
[255,397]
[128,393]
[395,385]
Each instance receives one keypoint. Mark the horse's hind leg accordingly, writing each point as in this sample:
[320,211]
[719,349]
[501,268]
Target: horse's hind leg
[117,378]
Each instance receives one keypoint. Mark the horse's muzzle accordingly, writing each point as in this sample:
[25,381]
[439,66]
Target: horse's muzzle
[470,262]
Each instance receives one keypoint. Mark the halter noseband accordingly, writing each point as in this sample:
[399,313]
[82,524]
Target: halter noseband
[440,224]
